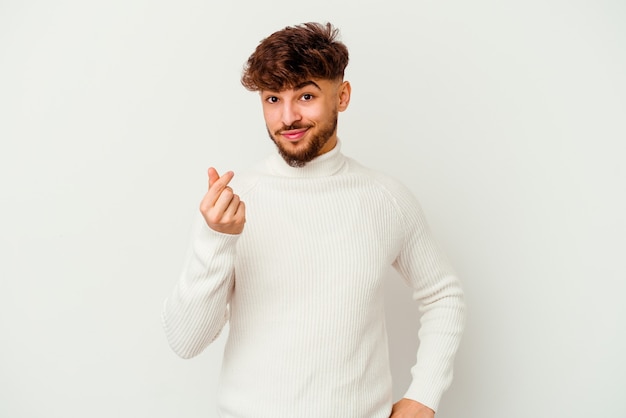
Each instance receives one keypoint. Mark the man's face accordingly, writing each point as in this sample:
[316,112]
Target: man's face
[302,121]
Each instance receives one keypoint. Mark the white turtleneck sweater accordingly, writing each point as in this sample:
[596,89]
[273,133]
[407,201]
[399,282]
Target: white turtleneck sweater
[303,290]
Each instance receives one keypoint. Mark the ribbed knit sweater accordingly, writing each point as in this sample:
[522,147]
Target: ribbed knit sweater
[303,290]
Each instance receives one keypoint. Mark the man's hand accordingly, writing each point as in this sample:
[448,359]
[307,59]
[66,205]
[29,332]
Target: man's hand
[408,408]
[221,208]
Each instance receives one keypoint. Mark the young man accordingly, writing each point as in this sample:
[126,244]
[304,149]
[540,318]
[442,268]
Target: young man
[302,284]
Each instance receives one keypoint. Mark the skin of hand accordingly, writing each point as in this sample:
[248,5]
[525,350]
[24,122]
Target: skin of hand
[408,408]
[221,208]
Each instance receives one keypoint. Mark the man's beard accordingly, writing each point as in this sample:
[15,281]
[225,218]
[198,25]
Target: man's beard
[316,143]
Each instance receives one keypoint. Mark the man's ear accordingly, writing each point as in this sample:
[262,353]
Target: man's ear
[344,91]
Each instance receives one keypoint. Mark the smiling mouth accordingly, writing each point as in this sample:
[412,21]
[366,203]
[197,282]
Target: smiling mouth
[294,134]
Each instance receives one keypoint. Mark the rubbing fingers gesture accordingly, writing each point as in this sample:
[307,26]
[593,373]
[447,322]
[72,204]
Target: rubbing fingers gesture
[221,208]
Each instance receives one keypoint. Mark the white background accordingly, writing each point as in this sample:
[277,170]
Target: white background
[507,120]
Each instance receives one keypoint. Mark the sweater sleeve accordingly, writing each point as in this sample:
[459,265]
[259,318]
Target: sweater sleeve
[197,309]
[438,290]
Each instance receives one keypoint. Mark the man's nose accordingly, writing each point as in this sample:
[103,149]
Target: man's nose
[290,114]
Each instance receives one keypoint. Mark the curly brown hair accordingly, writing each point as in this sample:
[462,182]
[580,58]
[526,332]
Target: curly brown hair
[294,55]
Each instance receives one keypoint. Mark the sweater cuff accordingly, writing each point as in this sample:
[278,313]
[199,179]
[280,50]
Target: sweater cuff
[425,394]
[204,233]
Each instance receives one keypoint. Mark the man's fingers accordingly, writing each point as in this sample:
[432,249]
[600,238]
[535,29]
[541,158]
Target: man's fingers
[228,213]
[241,211]
[236,213]
[221,207]
[222,182]
[231,209]
[218,186]
[223,200]
[213,176]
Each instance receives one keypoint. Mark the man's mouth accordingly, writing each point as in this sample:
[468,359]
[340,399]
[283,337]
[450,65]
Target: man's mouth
[294,135]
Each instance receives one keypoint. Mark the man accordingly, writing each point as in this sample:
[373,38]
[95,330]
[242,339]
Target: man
[302,284]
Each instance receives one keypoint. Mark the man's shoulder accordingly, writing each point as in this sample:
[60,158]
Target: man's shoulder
[393,189]
[379,178]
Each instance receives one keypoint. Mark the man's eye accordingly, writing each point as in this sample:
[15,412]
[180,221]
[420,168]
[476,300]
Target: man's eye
[272,99]
[307,96]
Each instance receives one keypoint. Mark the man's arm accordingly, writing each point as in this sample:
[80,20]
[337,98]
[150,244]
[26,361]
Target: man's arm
[438,290]
[196,311]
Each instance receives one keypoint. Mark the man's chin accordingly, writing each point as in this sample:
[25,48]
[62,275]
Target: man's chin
[294,159]
[294,155]
[298,153]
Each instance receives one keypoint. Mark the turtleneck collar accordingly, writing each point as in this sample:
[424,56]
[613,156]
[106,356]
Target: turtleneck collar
[325,165]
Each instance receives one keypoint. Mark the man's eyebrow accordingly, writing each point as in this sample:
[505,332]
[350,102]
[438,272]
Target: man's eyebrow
[307,83]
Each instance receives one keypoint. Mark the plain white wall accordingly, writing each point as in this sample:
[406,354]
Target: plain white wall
[507,119]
